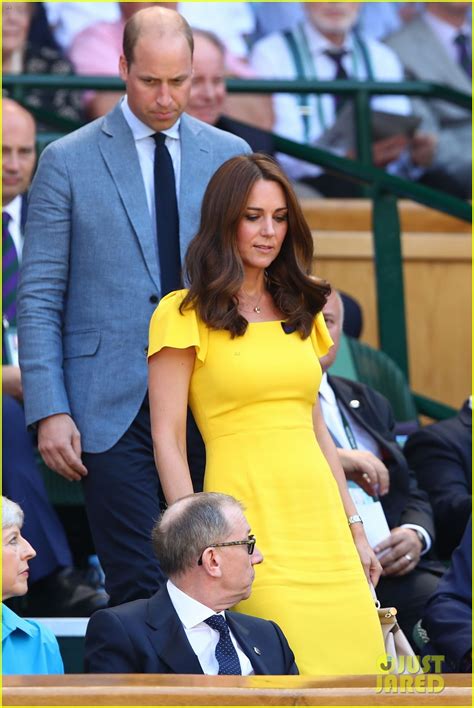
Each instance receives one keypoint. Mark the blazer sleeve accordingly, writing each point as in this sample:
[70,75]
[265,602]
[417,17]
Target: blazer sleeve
[288,656]
[441,472]
[108,647]
[43,286]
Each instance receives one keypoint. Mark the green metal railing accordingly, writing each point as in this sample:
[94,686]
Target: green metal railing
[384,189]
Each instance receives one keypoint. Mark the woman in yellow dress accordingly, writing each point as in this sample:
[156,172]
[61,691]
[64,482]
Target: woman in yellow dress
[242,346]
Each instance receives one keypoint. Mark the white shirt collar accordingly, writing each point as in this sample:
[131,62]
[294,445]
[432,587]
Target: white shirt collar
[140,130]
[14,209]
[326,391]
[318,43]
[445,32]
[190,611]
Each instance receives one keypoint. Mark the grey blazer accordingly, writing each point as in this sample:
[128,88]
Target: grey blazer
[90,275]
[424,58]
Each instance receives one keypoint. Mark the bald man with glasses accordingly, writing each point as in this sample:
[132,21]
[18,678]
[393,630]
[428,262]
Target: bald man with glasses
[204,546]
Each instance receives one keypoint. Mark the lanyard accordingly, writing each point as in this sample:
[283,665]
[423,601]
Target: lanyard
[306,68]
[347,429]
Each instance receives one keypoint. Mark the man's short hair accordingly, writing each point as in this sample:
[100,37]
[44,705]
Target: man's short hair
[182,534]
[134,28]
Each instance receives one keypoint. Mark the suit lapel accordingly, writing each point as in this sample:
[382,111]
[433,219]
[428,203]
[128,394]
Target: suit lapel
[168,636]
[120,155]
[438,61]
[259,662]
[196,151]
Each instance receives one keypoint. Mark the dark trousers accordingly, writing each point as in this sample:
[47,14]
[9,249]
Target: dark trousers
[23,483]
[123,501]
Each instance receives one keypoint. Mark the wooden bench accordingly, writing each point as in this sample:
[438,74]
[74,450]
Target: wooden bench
[437,269]
[159,689]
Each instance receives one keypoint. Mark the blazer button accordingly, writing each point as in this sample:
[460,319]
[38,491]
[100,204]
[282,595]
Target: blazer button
[153,299]
[145,351]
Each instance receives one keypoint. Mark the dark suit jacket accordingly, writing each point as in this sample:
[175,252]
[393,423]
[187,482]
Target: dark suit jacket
[405,503]
[441,457]
[258,139]
[146,636]
[448,614]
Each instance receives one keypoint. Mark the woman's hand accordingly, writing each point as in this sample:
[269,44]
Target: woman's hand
[370,564]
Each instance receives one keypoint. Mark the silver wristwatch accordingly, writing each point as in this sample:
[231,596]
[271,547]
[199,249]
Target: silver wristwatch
[354,519]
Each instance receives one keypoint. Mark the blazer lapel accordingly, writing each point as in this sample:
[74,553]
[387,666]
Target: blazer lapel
[168,636]
[120,155]
[260,663]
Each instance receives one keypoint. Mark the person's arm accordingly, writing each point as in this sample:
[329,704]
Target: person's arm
[11,382]
[108,646]
[169,374]
[368,559]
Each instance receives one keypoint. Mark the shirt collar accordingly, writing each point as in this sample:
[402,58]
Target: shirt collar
[191,612]
[318,43]
[326,392]
[11,623]
[140,130]
[445,32]
[14,209]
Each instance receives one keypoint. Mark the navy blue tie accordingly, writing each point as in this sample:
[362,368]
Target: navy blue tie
[167,220]
[463,44]
[226,654]
[337,55]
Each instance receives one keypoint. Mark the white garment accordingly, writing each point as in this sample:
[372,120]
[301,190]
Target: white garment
[14,209]
[146,154]
[271,58]
[66,19]
[446,33]
[330,409]
[203,639]
[230,21]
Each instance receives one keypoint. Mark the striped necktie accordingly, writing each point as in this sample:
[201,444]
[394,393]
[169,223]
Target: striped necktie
[10,269]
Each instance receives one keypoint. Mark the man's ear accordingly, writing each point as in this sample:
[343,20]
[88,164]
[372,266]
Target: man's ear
[211,562]
[123,68]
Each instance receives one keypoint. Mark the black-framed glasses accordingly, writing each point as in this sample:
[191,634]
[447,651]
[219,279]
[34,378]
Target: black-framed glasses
[249,542]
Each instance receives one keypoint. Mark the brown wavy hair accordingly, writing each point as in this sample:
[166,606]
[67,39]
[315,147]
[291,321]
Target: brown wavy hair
[213,265]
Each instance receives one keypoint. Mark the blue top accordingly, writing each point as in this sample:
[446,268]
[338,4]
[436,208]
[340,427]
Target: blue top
[28,647]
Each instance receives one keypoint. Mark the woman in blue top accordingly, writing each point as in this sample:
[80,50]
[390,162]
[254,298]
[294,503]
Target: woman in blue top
[27,647]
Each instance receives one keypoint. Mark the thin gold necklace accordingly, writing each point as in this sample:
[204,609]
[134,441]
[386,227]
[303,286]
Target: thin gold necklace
[256,308]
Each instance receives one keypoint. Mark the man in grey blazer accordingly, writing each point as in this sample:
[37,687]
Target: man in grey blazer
[430,49]
[91,280]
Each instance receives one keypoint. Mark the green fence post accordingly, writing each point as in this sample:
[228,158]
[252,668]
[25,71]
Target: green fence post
[389,277]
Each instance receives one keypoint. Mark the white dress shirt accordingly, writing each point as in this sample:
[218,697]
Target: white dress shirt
[203,639]
[330,409]
[271,58]
[145,145]
[14,210]
[446,34]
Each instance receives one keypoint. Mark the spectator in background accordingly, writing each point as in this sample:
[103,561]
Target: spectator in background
[102,246]
[326,47]
[204,545]
[437,47]
[378,19]
[361,423]
[448,614]
[21,57]
[96,50]
[56,586]
[208,92]
[67,19]
[441,456]
[27,646]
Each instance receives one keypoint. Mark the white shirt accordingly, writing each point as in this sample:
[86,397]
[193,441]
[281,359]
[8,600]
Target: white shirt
[203,639]
[446,34]
[330,409]
[14,227]
[145,146]
[68,18]
[231,22]
[271,58]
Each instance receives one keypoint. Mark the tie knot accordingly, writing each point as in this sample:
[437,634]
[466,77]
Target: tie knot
[159,139]
[461,39]
[336,55]
[218,623]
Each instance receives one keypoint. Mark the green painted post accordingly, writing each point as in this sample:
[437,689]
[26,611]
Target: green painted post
[389,277]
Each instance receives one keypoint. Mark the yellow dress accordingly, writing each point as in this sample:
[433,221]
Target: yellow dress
[252,399]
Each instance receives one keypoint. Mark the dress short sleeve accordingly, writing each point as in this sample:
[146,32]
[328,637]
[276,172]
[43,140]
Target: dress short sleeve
[171,328]
[320,336]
